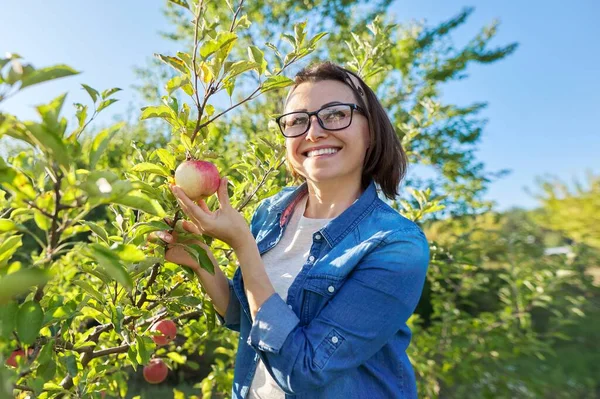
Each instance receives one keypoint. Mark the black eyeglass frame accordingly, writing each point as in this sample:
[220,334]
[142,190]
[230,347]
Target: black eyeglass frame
[353,107]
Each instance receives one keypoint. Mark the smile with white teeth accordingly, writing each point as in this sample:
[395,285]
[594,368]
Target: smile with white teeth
[322,151]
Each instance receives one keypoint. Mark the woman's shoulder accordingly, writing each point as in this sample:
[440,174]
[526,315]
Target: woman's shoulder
[384,217]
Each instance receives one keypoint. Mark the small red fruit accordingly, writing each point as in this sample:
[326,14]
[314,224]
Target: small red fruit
[197,179]
[165,330]
[12,360]
[156,371]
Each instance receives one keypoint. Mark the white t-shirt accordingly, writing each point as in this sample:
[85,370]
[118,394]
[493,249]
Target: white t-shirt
[282,264]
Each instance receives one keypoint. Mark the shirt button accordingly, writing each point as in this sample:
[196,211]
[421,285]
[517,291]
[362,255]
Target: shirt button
[331,289]
[290,306]
[334,340]
[318,237]
[311,258]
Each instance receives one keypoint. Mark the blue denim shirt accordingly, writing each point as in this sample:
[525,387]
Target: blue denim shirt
[342,332]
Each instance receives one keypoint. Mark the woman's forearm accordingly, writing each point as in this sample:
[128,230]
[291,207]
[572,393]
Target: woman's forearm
[216,287]
[256,281]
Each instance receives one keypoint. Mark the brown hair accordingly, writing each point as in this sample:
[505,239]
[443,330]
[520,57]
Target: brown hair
[385,160]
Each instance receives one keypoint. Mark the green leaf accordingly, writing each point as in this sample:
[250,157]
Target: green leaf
[177,358]
[147,227]
[258,57]
[151,168]
[178,82]
[174,62]
[48,141]
[7,225]
[240,67]
[141,201]
[101,141]
[42,221]
[8,319]
[160,111]
[70,362]
[109,92]
[211,46]
[199,254]
[132,357]
[47,370]
[81,114]
[46,74]
[128,253]
[91,91]
[98,230]
[209,313]
[316,38]
[90,290]
[276,82]
[144,265]
[8,247]
[300,33]
[46,352]
[167,158]
[111,265]
[29,321]
[143,356]
[50,114]
[20,282]
[106,103]
[181,3]
[243,23]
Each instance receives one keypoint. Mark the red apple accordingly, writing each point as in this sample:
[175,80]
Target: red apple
[197,179]
[165,331]
[12,360]
[156,371]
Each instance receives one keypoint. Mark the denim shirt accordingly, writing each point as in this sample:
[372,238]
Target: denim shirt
[342,332]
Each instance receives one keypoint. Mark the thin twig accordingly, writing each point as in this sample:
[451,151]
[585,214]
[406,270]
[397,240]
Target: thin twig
[262,182]
[235,15]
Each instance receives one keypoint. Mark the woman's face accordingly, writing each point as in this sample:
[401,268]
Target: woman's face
[351,143]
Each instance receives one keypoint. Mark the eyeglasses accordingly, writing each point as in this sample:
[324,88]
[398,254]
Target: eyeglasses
[331,117]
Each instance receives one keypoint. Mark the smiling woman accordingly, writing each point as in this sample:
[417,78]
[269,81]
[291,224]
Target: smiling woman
[329,273]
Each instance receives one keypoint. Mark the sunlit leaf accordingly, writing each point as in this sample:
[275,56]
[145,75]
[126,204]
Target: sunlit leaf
[46,74]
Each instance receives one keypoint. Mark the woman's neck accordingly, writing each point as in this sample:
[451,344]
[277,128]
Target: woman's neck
[329,199]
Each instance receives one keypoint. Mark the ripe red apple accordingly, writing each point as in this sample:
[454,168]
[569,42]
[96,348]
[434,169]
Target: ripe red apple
[12,360]
[198,179]
[165,330]
[156,371]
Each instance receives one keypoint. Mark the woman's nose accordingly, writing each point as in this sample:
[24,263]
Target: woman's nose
[315,130]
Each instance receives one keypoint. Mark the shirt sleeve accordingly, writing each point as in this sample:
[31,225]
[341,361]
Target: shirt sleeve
[371,306]
[231,320]
[232,317]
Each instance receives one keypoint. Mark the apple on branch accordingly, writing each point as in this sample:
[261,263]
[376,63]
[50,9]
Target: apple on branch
[198,179]
[12,360]
[155,371]
[163,332]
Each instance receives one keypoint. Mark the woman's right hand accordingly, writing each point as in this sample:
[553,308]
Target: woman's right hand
[177,254]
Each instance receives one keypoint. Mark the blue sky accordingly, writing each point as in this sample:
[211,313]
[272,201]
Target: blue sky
[543,100]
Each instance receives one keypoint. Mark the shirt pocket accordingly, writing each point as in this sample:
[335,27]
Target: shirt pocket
[317,292]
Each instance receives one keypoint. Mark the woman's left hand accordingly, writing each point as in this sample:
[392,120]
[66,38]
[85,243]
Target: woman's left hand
[225,224]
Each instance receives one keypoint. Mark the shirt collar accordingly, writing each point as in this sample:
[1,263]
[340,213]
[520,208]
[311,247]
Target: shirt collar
[337,228]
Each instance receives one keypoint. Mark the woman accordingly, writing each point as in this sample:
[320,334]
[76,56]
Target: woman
[329,274]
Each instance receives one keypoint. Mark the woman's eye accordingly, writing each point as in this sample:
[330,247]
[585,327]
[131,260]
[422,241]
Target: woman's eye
[297,121]
[334,115]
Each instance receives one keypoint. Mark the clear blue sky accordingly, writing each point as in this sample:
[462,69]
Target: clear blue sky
[543,100]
